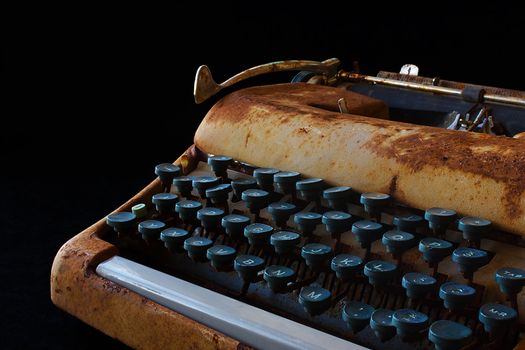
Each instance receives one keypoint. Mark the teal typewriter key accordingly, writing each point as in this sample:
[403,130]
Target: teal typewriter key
[510,280]
[219,165]
[380,273]
[165,202]
[434,249]
[285,181]
[367,232]
[281,212]
[337,222]
[409,323]
[264,177]
[284,242]
[174,238]
[221,256]
[210,218]
[357,315]
[166,173]
[219,194]
[397,242]
[338,197]
[418,285]
[121,222]
[374,202]
[202,183]
[197,247]
[310,189]
[184,185]
[255,199]
[241,185]
[234,225]
[150,230]
[315,300]
[139,210]
[381,324]
[469,260]
[346,266]
[449,335]
[316,255]
[306,222]
[408,223]
[474,229]
[248,267]
[439,219]
[497,318]
[456,296]
[278,277]
[258,234]
[187,210]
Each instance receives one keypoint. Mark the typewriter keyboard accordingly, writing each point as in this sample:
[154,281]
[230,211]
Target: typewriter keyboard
[355,265]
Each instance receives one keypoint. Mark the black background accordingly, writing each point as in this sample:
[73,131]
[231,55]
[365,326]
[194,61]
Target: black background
[96,96]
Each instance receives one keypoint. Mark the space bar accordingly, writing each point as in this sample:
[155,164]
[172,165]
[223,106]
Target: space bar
[248,324]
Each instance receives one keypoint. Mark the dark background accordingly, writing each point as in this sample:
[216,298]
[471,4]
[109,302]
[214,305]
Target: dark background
[94,97]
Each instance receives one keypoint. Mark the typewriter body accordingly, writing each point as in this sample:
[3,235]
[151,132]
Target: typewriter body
[338,211]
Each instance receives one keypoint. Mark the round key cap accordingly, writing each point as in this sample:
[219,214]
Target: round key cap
[439,219]
[469,259]
[258,234]
[374,202]
[280,212]
[210,218]
[315,300]
[367,232]
[166,172]
[264,176]
[187,210]
[219,164]
[284,241]
[408,223]
[150,229]
[139,210]
[418,285]
[379,273]
[434,249]
[221,256]
[346,266]
[310,189]
[241,185]
[234,224]
[357,315]
[337,222]
[173,237]
[285,181]
[497,317]
[278,277]
[397,242]
[449,335]
[219,193]
[381,324]
[474,228]
[121,221]
[184,185]
[510,280]
[409,322]
[165,202]
[316,254]
[248,266]
[337,197]
[202,183]
[455,295]
[197,247]
[255,199]
[306,222]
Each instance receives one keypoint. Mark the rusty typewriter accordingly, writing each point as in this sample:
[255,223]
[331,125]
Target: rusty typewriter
[337,211]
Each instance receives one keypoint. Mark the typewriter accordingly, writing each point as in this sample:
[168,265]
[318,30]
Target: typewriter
[338,211]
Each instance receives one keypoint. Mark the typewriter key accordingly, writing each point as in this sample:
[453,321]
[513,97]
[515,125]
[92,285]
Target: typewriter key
[381,324]
[439,219]
[221,256]
[284,241]
[202,183]
[434,249]
[374,202]
[285,181]
[150,229]
[165,202]
[264,177]
[241,185]
[121,222]
[258,234]
[210,218]
[173,238]
[184,185]
[397,242]
[409,322]
[346,266]
[278,277]
[219,193]
[187,210]
[448,335]
[474,229]
[248,266]
[357,315]
[139,210]
[337,197]
[408,223]
[367,232]
[310,189]
[418,285]
[219,165]
[234,225]
[316,255]
[469,260]
[511,280]
[197,247]
[337,222]
[379,273]
[455,295]
[497,317]
[280,212]
[166,173]
[255,199]
[306,222]
[315,300]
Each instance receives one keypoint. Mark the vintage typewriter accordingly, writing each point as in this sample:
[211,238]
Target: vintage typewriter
[338,211]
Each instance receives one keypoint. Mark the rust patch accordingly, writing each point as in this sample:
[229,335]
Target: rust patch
[247,138]
[303,131]
[393,185]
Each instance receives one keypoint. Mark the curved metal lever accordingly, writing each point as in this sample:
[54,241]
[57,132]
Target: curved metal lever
[205,87]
